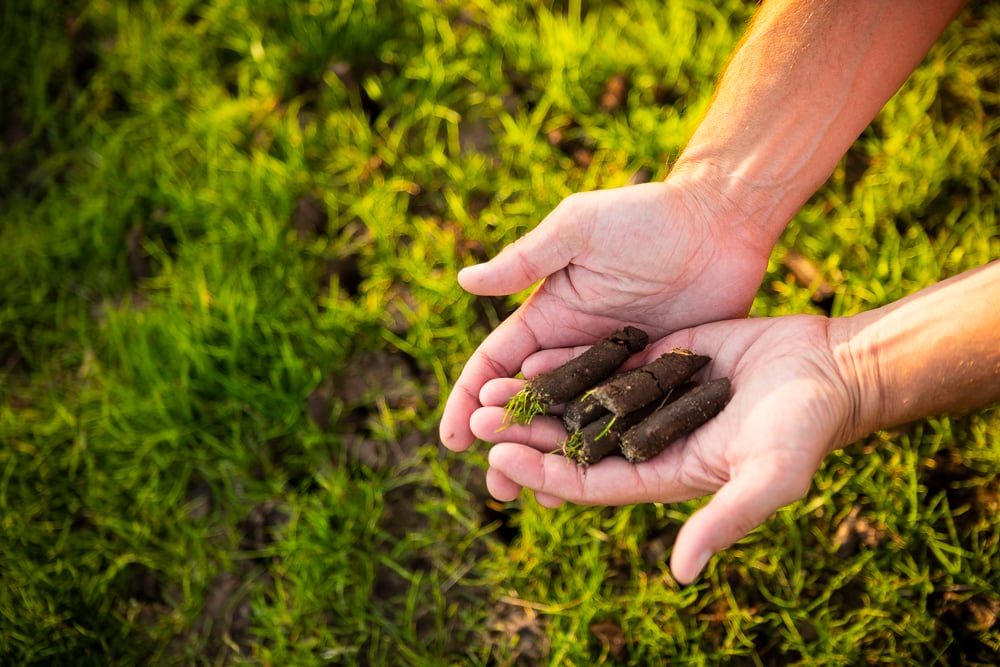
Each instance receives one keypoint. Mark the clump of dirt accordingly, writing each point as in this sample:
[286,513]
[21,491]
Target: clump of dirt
[612,639]
[973,495]
[225,620]
[576,376]
[856,532]
[677,418]
[519,628]
[637,413]
[310,218]
[972,618]
[356,403]
[261,526]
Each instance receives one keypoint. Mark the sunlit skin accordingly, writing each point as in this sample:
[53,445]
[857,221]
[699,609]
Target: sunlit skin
[802,386]
[693,249]
[590,290]
[807,79]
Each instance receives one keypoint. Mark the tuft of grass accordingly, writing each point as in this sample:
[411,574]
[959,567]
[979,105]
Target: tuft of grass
[572,446]
[522,408]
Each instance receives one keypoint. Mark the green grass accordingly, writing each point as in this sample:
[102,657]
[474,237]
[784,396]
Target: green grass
[522,408]
[218,410]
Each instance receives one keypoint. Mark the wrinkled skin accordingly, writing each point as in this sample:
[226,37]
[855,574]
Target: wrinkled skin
[791,404]
[659,256]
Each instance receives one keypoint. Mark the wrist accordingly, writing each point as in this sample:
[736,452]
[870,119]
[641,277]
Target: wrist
[750,209]
[858,365]
[931,352]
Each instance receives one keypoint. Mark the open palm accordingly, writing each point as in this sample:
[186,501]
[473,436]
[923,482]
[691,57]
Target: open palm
[647,256]
[791,405]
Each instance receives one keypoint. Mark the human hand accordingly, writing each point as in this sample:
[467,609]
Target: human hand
[792,403]
[659,256]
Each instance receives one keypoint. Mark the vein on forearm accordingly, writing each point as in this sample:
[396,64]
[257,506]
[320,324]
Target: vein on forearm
[806,80]
[793,62]
[932,352]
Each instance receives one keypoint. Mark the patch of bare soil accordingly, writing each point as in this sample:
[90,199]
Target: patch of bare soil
[520,632]
[363,393]
[222,632]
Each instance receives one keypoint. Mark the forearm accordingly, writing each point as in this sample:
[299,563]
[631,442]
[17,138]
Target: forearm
[808,77]
[935,351]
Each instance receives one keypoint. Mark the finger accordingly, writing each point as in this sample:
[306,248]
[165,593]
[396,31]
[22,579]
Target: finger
[499,355]
[453,428]
[531,468]
[545,360]
[500,486]
[541,252]
[499,391]
[741,505]
[613,481]
[543,433]
[545,500]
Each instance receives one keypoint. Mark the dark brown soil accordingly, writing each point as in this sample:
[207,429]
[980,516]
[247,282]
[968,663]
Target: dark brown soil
[583,372]
[629,391]
[675,419]
[602,438]
[581,411]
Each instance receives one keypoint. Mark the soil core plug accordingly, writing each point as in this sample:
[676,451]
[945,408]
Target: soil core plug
[574,377]
[602,437]
[651,436]
[627,392]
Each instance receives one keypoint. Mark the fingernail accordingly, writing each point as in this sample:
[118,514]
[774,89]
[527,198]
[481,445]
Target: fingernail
[700,562]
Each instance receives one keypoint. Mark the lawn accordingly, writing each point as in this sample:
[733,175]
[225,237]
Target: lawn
[229,234]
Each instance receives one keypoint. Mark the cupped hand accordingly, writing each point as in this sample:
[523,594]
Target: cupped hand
[656,256]
[792,403]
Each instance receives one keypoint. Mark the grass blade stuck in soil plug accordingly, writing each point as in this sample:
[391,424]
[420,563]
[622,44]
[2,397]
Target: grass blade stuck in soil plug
[582,411]
[575,376]
[601,438]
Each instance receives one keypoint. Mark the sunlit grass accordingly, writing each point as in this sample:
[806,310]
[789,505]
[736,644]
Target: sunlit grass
[229,317]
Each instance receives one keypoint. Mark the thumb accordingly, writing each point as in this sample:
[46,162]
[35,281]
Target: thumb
[741,505]
[539,253]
